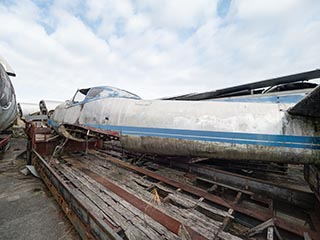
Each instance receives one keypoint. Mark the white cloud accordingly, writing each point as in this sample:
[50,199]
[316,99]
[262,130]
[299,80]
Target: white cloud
[179,13]
[154,48]
[137,24]
[261,8]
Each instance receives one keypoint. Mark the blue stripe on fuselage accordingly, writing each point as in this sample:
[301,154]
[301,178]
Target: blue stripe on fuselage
[215,136]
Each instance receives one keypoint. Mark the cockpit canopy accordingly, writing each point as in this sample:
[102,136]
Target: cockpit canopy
[94,93]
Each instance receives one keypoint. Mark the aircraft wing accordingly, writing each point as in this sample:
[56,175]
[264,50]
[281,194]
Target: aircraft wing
[246,89]
[309,106]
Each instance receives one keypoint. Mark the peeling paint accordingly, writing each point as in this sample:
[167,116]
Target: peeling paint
[224,130]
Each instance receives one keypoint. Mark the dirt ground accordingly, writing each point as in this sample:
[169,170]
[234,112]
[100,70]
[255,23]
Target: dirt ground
[27,209]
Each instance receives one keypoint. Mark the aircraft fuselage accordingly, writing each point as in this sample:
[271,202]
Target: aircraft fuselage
[8,106]
[222,130]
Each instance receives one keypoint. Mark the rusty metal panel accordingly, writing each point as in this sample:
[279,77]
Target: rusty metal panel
[44,143]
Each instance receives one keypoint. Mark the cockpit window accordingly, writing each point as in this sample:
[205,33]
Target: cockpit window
[79,96]
[94,92]
[86,94]
[110,92]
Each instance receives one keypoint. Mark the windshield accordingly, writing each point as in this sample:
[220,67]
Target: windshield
[110,92]
[86,94]
[79,96]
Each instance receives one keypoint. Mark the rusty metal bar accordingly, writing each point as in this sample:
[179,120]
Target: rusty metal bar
[284,193]
[258,214]
[46,146]
[88,225]
[4,139]
[187,188]
[167,221]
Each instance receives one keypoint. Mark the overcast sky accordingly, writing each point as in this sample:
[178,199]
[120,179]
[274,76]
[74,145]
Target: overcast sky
[154,48]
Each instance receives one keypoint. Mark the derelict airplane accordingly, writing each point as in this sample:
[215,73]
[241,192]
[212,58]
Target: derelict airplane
[8,106]
[27,109]
[276,120]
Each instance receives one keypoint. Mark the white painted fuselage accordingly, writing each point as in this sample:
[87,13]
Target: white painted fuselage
[222,130]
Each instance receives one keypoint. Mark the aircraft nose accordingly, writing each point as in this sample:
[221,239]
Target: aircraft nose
[6,89]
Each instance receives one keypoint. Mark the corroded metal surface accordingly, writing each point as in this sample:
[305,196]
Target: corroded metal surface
[224,130]
[41,140]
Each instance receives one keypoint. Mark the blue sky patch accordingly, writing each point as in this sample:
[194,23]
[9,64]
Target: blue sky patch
[223,7]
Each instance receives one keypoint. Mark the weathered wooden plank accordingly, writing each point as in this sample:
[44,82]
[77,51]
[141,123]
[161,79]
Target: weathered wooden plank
[191,216]
[116,206]
[90,197]
[188,218]
[180,199]
[131,209]
[136,185]
[132,186]
[92,207]
[203,207]
[133,232]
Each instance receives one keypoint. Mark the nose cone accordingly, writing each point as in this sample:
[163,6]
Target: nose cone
[8,108]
